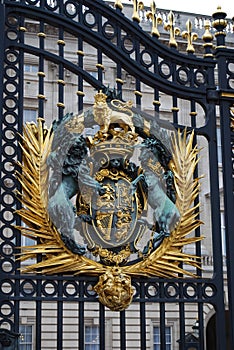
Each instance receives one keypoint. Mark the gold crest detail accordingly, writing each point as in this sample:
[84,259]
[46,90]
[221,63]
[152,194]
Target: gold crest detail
[114,286]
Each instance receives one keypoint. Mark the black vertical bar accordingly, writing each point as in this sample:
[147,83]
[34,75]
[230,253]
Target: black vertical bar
[102,325]
[119,67]
[175,109]
[193,114]
[138,93]
[122,330]
[162,316]
[228,178]
[60,103]
[17,306]
[156,101]
[60,316]
[201,326]
[142,316]
[20,108]
[174,97]
[2,53]
[80,79]
[182,325]
[99,65]
[99,52]
[119,80]
[196,175]
[41,72]
[81,315]
[38,316]
[182,318]
[20,111]
[162,326]
[216,227]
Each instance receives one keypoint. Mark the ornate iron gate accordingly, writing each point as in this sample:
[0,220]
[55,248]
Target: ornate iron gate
[78,46]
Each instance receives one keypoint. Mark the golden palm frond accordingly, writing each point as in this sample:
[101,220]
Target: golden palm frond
[33,177]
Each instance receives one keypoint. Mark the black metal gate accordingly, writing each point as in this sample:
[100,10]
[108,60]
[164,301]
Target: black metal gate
[77,46]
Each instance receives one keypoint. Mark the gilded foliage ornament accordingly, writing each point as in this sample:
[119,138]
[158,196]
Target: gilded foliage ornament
[111,194]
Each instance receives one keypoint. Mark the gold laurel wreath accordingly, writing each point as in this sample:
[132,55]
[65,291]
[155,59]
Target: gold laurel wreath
[50,253]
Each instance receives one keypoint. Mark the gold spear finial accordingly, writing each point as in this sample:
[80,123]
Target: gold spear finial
[137,5]
[169,26]
[118,4]
[156,19]
[190,36]
[208,38]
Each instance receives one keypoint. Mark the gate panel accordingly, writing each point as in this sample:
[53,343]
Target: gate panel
[77,47]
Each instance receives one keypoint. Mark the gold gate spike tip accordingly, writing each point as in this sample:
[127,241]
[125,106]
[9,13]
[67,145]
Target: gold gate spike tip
[155,19]
[190,36]
[169,26]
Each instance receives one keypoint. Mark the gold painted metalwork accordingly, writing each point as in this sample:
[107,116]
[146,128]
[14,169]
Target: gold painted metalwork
[61,81]
[23,29]
[113,258]
[118,4]
[190,36]
[175,109]
[146,127]
[41,34]
[114,286]
[61,104]
[232,111]
[80,93]
[41,74]
[80,52]
[138,93]
[156,19]
[61,42]
[104,115]
[207,36]
[220,21]
[137,5]
[76,124]
[227,94]
[169,26]
[114,289]
[232,123]
[42,97]
[157,103]
[118,80]
[99,65]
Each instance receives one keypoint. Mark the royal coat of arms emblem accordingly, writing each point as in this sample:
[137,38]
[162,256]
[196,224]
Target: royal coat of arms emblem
[109,192]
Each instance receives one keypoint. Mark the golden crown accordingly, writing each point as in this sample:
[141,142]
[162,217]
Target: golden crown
[115,143]
[100,97]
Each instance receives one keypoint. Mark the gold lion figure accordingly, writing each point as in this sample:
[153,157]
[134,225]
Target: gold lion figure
[105,116]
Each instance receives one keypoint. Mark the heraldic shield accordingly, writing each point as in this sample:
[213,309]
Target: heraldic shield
[104,194]
[114,214]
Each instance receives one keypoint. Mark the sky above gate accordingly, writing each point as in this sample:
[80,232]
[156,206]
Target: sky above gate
[198,6]
[201,7]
